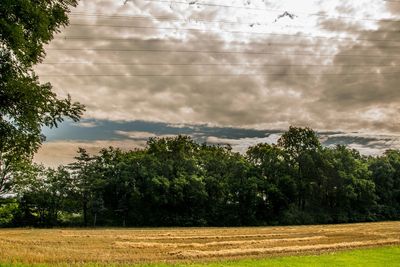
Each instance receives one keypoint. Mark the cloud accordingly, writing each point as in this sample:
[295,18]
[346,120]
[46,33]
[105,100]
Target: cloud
[55,153]
[139,135]
[368,101]
[136,134]
[58,152]
[366,144]
[87,124]
[242,144]
[337,84]
[61,146]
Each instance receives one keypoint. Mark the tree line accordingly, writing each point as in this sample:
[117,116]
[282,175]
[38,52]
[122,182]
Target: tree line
[177,182]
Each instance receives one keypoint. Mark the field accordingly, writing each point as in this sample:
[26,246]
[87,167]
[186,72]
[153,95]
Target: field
[184,245]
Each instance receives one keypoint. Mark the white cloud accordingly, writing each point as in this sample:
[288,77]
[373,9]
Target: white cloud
[87,124]
[57,153]
[318,99]
[140,135]
[136,134]
[242,144]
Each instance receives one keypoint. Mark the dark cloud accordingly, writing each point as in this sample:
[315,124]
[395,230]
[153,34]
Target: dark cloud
[114,130]
[62,143]
[393,7]
[343,82]
[369,100]
[233,100]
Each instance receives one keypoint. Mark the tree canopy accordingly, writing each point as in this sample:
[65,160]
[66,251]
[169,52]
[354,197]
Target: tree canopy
[175,181]
[26,105]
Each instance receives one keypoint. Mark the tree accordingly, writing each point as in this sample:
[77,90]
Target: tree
[177,182]
[299,140]
[386,175]
[350,188]
[118,183]
[26,105]
[301,146]
[215,163]
[84,176]
[44,193]
[277,188]
[11,167]
[176,185]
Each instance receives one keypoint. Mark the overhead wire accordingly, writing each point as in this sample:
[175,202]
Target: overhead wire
[216,64]
[297,35]
[236,32]
[200,20]
[218,74]
[321,14]
[219,52]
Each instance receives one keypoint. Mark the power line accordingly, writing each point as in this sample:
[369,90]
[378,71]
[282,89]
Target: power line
[217,75]
[268,44]
[158,18]
[215,64]
[196,20]
[272,10]
[219,52]
[237,32]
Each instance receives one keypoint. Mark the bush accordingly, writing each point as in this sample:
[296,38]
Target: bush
[7,212]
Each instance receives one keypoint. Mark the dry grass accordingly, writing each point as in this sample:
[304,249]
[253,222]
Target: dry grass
[186,244]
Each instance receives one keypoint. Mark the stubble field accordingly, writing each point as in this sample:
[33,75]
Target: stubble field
[129,246]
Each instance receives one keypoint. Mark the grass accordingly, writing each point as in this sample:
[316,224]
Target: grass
[247,246]
[386,256]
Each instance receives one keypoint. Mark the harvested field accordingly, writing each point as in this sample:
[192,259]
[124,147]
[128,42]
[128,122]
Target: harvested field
[186,244]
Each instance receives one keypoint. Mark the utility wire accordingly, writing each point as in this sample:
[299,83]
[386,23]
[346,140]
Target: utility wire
[219,52]
[265,44]
[237,32]
[214,64]
[197,20]
[272,10]
[217,75]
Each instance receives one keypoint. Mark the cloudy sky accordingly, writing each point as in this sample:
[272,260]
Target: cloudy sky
[232,71]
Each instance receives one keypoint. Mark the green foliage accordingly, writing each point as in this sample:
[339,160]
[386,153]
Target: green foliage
[386,176]
[297,141]
[8,209]
[177,182]
[43,194]
[26,105]
[26,25]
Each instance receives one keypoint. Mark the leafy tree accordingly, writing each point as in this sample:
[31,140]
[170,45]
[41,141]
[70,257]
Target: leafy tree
[277,189]
[214,162]
[12,167]
[300,145]
[350,190]
[118,185]
[26,105]
[175,181]
[243,188]
[297,141]
[386,175]
[84,180]
[8,209]
[45,194]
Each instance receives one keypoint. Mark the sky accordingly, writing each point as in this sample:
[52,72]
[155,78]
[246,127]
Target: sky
[235,72]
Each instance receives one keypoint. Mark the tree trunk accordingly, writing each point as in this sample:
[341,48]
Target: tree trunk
[95,219]
[85,221]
